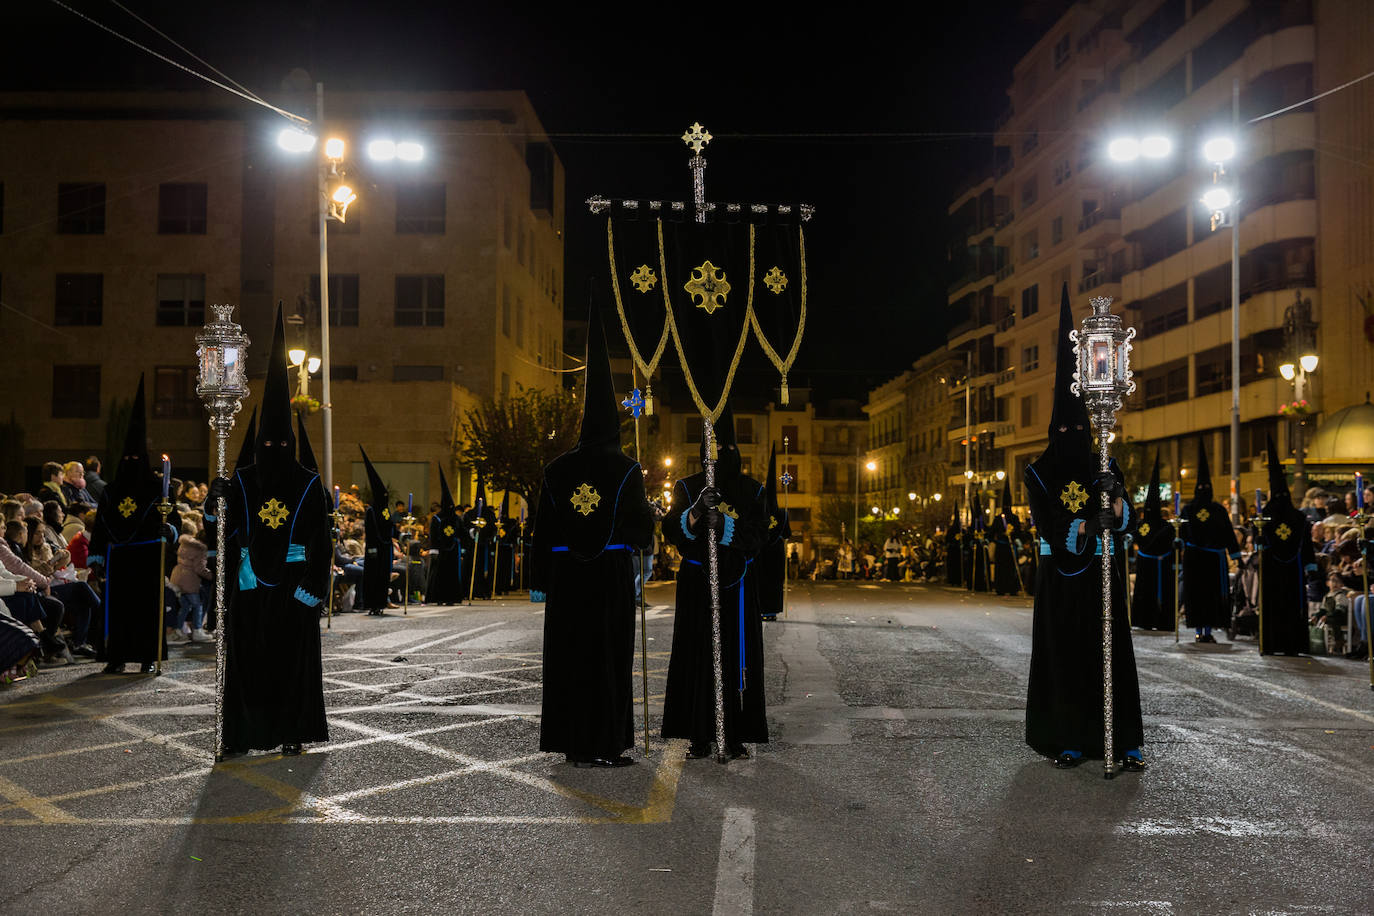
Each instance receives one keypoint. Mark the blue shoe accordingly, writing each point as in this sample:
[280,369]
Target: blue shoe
[1067,760]
[1134,762]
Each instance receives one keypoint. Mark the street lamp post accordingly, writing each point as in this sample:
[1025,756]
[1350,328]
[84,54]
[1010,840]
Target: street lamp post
[1299,333]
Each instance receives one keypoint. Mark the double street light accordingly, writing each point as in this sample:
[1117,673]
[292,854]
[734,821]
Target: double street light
[335,195]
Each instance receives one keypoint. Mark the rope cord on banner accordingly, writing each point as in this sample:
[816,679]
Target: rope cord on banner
[649,367]
[782,365]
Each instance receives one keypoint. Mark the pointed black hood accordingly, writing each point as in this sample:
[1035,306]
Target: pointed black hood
[1278,480]
[375,484]
[276,442]
[1006,498]
[306,453]
[1202,488]
[250,441]
[505,505]
[1069,411]
[727,449]
[445,494]
[600,407]
[1153,504]
[955,522]
[134,467]
[977,523]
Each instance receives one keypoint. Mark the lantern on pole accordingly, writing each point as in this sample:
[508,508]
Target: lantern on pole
[221,349]
[1103,379]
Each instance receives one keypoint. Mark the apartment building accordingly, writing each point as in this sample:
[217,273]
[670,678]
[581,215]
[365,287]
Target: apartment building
[1053,210]
[909,419]
[123,214]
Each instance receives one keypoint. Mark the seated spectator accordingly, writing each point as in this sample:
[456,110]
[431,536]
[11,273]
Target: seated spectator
[41,613]
[94,484]
[74,486]
[52,483]
[11,510]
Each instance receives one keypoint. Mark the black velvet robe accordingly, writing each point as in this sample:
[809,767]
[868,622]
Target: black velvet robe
[378,530]
[582,564]
[689,706]
[1064,697]
[278,572]
[481,554]
[954,556]
[976,574]
[1208,540]
[446,584]
[1288,560]
[772,562]
[1006,534]
[1152,602]
[505,546]
[129,539]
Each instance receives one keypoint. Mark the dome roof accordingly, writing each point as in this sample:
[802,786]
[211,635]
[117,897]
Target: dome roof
[1346,436]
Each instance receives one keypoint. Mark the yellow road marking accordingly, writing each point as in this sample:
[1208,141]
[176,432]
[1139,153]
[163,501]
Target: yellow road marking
[45,811]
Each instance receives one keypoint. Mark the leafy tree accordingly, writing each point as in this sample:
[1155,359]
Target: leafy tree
[509,438]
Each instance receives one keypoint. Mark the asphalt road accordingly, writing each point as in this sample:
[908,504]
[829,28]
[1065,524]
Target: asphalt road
[897,781]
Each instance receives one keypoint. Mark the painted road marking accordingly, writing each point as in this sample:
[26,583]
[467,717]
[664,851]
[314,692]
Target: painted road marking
[735,868]
[397,638]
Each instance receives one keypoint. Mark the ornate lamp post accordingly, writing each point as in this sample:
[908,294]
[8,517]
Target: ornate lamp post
[222,385]
[1103,380]
[1300,338]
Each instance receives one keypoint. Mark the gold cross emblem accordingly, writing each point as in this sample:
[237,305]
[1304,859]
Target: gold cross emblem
[776,281]
[585,498]
[959,536]
[1283,531]
[127,506]
[386,515]
[644,278]
[729,510]
[1203,515]
[707,285]
[697,137]
[448,531]
[273,513]
[1144,529]
[1074,496]
[772,522]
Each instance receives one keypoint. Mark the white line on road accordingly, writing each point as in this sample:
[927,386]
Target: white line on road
[735,869]
[435,642]
[396,638]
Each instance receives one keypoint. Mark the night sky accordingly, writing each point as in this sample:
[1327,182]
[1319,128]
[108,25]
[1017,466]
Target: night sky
[874,120]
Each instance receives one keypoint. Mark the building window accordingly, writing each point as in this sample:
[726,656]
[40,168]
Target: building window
[343,299]
[343,373]
[1030,300]
[81,208]
[76,392]
[1028,410]
[1167,385]
[1214,370]
[744,430]
[520,244]
[1030,245]
[417,373]
[420,208]
[693,429]
[793,442]
[80,299]
[1062,171]
[174,393]
[420,301]
[1030,358]
[1056,230]
[181,300]
[181,209]
[505,311]
[1030,192]
[507,229]
[519,321]
[1061,51]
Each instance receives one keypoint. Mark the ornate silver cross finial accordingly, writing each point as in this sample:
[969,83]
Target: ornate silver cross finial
[697,137]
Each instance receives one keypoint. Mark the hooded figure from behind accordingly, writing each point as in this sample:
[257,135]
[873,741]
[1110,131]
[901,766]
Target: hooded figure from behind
[736,511]
[128,536]
[1208,541]
[1152,602]
[1289,561]
[279,555]
[378,530]
[1006,545]
[479,524]
[954,549]
[446,583]
[592,517]
[977,548]
[772,560]
[1064,717]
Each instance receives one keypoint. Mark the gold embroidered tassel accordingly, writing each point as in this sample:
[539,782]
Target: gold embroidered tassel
[648,400]
[784,389]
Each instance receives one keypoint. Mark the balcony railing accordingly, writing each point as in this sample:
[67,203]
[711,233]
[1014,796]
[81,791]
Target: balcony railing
[1006,271]
[1006,375]
[1004,219]
[1006,322]
[1097,216]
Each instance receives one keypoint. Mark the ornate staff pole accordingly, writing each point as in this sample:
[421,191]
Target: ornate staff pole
[635,405]
[1103,380]
[697,137]
[222,385]
[786,481]
[713,586]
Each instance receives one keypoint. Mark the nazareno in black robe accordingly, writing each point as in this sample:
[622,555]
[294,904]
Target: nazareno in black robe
[1152,602]
[582,565]
[954,554]
[689,703]
[1006,534]
[481,539]
[772,562]
[1064,697]
[1208,541]
[1288,560]
[378,558]
[446,584]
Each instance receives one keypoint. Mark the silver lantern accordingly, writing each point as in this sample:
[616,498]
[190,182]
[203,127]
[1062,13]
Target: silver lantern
[221,350]
[1104,380]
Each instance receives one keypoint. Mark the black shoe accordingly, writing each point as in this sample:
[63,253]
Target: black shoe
[1208,637]
[85,651]
[113,668]
[290,750]
[147,668]
[1067,761]
[585,763]
[698,751]
[739,752]
[770,616]
[1132,765]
